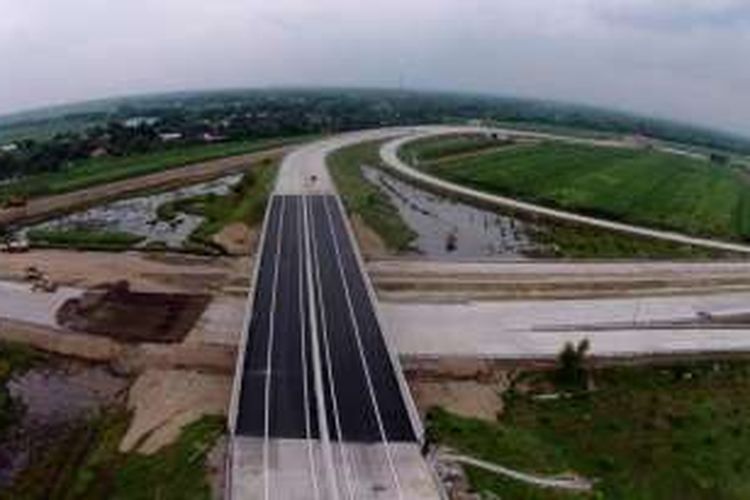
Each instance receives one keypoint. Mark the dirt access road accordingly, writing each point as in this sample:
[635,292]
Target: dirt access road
[422,280]
[146,272]
[40,208]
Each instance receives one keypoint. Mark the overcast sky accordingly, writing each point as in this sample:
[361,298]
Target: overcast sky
[684,59]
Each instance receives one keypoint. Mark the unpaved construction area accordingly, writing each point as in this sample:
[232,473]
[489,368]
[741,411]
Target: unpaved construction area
[115,311]
[144,271]
[540,328]
[420,280]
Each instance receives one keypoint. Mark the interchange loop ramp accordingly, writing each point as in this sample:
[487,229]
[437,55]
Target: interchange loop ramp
[321,410]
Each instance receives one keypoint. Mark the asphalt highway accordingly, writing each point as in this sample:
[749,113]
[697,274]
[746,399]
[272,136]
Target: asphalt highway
[362,398]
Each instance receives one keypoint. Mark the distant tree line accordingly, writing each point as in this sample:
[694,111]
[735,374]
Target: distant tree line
[136,125]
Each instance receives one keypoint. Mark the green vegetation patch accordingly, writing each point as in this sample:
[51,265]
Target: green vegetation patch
[96,171]
[246,203]
[636,186]
[83,239]
[664,432]
[364,198]
[584,242]
[86,464]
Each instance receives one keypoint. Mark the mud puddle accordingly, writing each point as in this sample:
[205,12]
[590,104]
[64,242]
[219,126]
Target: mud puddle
[51,400]
[139,215]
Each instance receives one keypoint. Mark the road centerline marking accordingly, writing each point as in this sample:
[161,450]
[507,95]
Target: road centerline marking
[363,360]
[325,438]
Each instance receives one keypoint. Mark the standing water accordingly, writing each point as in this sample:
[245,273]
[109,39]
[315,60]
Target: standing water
[138,215]
[450,229]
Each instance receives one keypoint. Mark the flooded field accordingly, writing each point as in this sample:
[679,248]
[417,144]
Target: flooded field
[138,215]
[450,229]
[54,399]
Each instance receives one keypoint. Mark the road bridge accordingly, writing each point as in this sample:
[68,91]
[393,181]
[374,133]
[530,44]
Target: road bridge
[320,409]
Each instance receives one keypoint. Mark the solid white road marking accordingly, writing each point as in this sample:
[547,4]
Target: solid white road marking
[325,438]
[269,352]
[303,271]
[348,467]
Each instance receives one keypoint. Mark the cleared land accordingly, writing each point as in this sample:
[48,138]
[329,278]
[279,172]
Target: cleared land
[632,185]
[677,431]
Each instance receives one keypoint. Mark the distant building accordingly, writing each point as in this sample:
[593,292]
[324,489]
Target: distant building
[170,136]
[9,148]
[99,152]
[209,137]
[139,121]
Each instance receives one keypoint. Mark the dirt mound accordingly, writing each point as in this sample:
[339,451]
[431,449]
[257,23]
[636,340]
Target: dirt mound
[113,310]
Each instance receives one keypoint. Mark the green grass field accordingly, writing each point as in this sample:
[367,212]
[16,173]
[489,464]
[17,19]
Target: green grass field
[110,169]
[680,431]
[636,186]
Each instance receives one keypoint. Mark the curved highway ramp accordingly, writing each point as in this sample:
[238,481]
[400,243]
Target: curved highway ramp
[321,409]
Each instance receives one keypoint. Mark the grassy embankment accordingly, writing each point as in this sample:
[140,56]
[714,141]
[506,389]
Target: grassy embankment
[677,431]
[365,199]
[246,203]
[641,187]
[97,171]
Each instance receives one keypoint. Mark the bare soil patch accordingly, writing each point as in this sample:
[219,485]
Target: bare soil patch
[236,238]
[467,387]
[164,401]
[465,398]
[145,271]
[370,243]
[113,310]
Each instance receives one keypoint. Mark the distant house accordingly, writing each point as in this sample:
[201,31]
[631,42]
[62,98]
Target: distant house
[139,121]
[170,136]
[99,152]
[209,137]
[9,148]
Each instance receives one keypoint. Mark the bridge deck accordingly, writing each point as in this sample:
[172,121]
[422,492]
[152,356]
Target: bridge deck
[321,412]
